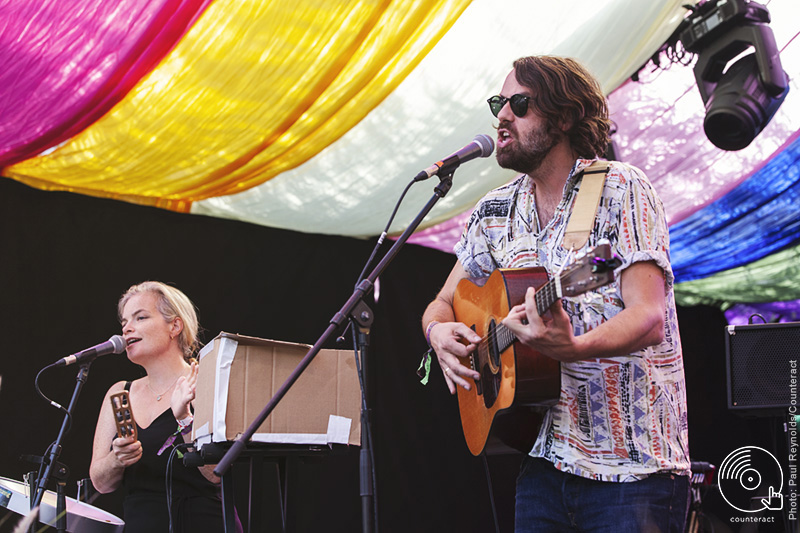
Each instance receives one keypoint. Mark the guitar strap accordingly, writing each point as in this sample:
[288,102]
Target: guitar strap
[583,213]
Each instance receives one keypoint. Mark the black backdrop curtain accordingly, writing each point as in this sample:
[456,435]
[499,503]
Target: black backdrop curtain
[67,258]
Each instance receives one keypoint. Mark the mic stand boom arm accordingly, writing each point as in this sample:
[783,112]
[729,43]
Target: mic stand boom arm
[336,323]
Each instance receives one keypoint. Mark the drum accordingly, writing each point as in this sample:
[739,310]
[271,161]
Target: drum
[81,517]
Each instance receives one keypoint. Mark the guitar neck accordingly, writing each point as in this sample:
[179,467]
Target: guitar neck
[546,296]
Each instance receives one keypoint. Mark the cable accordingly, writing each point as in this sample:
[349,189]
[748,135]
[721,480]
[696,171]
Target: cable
[491,492]
[168,478]
[45,457]
[51,402]
[384,233]
[367,431]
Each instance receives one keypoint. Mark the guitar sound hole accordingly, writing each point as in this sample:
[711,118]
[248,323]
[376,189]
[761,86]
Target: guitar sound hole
[494,349]
[490,385]
[476,363]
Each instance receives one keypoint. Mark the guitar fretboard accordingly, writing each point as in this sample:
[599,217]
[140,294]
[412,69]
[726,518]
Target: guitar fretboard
[546,296]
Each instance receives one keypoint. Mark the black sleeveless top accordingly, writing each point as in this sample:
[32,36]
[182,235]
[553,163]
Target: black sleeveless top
[196,502]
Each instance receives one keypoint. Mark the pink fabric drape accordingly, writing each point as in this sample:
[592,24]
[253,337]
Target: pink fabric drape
[68,63]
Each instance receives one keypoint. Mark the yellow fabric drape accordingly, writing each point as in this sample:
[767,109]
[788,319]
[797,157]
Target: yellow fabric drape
[352,187]
[254,89]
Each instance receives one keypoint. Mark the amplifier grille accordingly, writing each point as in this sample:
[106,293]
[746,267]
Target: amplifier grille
[761,361]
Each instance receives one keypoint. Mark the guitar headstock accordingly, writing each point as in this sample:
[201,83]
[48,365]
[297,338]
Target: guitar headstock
[593,270]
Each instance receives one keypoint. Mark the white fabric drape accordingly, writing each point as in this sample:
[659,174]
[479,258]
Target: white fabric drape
[351,187]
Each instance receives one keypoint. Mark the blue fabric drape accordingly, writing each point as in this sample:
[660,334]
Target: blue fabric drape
[758,218]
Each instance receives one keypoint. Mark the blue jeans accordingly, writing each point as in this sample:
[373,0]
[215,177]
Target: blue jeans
[549,500]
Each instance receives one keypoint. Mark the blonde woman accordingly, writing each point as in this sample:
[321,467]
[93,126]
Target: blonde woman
[159,325]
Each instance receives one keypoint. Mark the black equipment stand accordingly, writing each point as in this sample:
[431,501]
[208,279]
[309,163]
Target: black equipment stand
[255,454]
[50,460]
[363,317]
[353,309]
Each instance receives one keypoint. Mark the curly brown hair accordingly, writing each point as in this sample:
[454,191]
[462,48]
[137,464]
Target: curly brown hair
[566,94]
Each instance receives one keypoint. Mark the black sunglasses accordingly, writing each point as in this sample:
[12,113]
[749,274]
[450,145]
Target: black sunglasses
[519,104]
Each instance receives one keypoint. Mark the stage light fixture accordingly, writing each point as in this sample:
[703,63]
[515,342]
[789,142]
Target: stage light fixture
[741,99]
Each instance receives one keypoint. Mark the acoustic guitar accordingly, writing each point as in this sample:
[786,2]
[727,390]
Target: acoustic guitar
[504,408]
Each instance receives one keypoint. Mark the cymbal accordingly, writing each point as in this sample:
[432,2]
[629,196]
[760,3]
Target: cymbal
[81,517]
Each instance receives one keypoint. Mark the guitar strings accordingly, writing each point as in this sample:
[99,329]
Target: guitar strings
[548,289]
[546,293]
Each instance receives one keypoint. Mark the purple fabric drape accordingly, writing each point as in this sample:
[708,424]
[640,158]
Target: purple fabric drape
[65,64]
[740,314]
[663,135]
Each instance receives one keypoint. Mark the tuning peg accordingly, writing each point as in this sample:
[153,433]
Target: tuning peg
[590,297]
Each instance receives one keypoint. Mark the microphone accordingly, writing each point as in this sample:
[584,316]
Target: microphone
[481,146]
[115,344]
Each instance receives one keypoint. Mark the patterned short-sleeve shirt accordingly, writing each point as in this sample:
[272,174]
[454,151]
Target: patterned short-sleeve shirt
[619,418]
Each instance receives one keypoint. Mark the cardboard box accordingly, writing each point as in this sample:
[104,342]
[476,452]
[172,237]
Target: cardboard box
[238,375]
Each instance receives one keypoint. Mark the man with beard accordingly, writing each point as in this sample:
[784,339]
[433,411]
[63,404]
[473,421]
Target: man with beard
[612,454]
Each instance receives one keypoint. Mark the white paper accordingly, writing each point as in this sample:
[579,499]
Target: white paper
[338,433]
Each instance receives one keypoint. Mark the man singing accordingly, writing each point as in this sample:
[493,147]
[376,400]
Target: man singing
[612,454]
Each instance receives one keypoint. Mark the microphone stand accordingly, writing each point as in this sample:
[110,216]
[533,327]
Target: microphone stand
[51,459]
[362,316]
[353,309]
